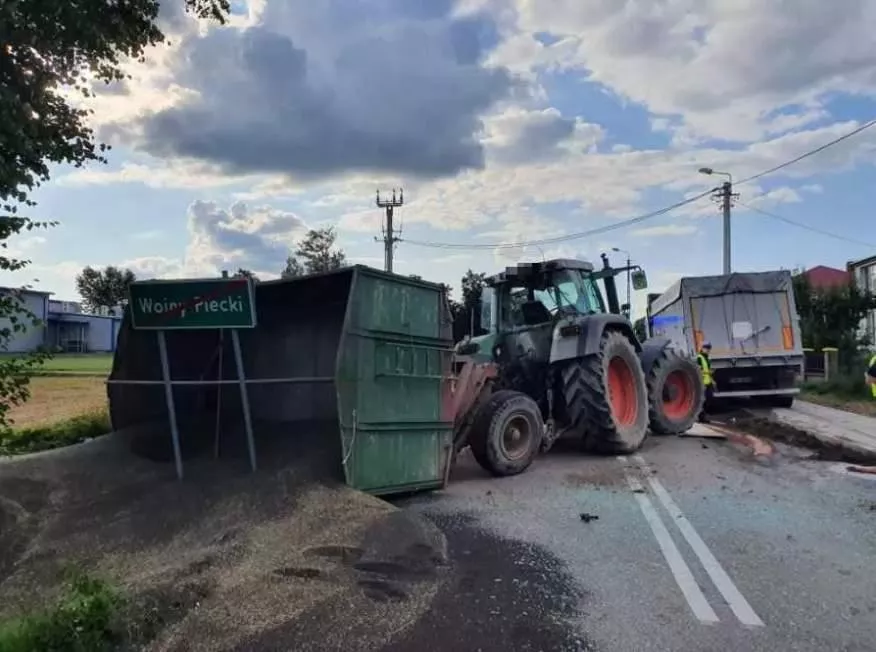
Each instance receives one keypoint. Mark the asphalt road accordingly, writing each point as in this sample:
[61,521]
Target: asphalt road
[696,547]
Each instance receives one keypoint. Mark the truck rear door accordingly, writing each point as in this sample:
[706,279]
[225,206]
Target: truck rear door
[744,324]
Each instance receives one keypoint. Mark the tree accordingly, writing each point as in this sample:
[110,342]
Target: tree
[831,318]
[472,285]
[245,273]
[47,51]
[104,289]
[315,253]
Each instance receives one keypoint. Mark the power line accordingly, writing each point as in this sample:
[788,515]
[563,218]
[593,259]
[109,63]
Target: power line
[854,132]
[562,238]
[800,225]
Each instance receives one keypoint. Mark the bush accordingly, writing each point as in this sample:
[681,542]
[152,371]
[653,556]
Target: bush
[81,621]
[847,387]
[56,435]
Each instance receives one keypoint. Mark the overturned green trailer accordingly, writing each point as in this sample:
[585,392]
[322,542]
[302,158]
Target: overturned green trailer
[348,372]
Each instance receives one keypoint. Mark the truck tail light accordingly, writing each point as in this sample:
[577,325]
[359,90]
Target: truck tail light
[787,338]
[698,340]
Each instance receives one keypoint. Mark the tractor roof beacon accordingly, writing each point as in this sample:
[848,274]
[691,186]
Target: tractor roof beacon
[558,359]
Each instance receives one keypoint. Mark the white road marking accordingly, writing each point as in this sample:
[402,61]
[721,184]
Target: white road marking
[735,600]
[680,570]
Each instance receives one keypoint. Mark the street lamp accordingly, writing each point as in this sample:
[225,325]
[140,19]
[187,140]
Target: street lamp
[629,286]
[726,195]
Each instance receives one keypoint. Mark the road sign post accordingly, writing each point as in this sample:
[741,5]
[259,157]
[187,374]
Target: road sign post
[197,304]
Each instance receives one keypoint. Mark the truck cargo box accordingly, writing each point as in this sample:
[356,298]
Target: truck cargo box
[751,321]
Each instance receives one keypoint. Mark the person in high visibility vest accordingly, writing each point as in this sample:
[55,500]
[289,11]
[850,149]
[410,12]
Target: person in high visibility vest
[705,365]
[871,376]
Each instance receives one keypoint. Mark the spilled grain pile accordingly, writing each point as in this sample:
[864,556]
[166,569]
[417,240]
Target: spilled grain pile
[225,559]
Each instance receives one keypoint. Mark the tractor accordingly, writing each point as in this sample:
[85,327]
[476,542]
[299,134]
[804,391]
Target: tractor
[558,360]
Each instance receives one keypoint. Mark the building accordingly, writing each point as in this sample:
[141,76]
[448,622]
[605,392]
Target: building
[864,273]
[822,277]
[64,327]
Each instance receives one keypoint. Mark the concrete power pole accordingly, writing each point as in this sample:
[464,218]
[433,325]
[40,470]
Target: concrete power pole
[390,235]
[725,195]
[726,199]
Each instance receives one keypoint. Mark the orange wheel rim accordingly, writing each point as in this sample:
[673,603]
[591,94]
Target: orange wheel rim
[678,395]
[622,392]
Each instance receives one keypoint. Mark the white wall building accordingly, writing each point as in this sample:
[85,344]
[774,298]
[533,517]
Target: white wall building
[64,327]
[864,273]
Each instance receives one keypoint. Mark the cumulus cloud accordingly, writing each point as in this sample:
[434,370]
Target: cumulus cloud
[316,90]
[731,70]
[254,238]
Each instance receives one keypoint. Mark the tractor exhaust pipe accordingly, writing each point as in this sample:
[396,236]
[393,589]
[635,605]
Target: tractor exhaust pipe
[610,287]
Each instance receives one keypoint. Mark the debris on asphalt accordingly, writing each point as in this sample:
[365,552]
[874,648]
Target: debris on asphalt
[871,470]
[638,491]
[588,517]
[700,430]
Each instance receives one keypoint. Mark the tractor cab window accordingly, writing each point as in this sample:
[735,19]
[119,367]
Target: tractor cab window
[577,292]
[488,309]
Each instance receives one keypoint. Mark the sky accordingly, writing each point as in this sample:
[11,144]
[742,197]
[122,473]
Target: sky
[502,122]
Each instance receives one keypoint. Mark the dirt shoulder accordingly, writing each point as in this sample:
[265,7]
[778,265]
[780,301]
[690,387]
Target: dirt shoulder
[221,559]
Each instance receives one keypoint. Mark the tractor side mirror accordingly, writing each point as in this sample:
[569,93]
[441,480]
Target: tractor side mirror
[467,348]
[639,279]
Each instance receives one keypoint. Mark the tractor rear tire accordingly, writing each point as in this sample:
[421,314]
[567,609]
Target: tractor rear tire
[675,393]
[507,432]
[606,400]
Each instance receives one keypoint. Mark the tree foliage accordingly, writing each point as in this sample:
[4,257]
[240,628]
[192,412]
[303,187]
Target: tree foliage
[315,253]
[107,288]
[245,273]
[831,318]
[52,52]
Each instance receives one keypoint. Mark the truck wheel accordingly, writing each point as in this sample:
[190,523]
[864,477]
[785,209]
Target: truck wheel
[675,393]
[605,397]
[507,432]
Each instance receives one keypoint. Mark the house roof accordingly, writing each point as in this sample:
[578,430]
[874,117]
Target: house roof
[6,288]
[853,264]
[823,277]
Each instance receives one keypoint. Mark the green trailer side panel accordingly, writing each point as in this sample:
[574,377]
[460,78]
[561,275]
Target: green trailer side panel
[393,365]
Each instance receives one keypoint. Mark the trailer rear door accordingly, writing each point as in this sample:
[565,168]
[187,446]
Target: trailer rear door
[744,324]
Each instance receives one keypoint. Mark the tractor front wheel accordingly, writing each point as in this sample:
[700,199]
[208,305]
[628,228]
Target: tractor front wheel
[675,393]
[605,397]
[507,432]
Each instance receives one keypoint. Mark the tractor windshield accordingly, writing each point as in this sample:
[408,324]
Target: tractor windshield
[569,292]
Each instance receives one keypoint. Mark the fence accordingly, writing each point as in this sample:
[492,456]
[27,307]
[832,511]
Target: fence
[831,364]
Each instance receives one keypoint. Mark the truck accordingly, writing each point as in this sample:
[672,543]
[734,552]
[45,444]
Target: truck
[751,321]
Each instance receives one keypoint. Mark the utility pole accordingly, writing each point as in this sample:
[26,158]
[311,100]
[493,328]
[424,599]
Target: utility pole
[726,198]
[390,235]
[725,195]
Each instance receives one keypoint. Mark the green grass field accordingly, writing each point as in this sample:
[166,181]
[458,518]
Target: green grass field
[77,364]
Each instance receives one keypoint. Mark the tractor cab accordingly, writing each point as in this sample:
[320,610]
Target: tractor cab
[536,296]
[531,294]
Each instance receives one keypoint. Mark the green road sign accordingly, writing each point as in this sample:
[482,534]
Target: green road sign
[189,304]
